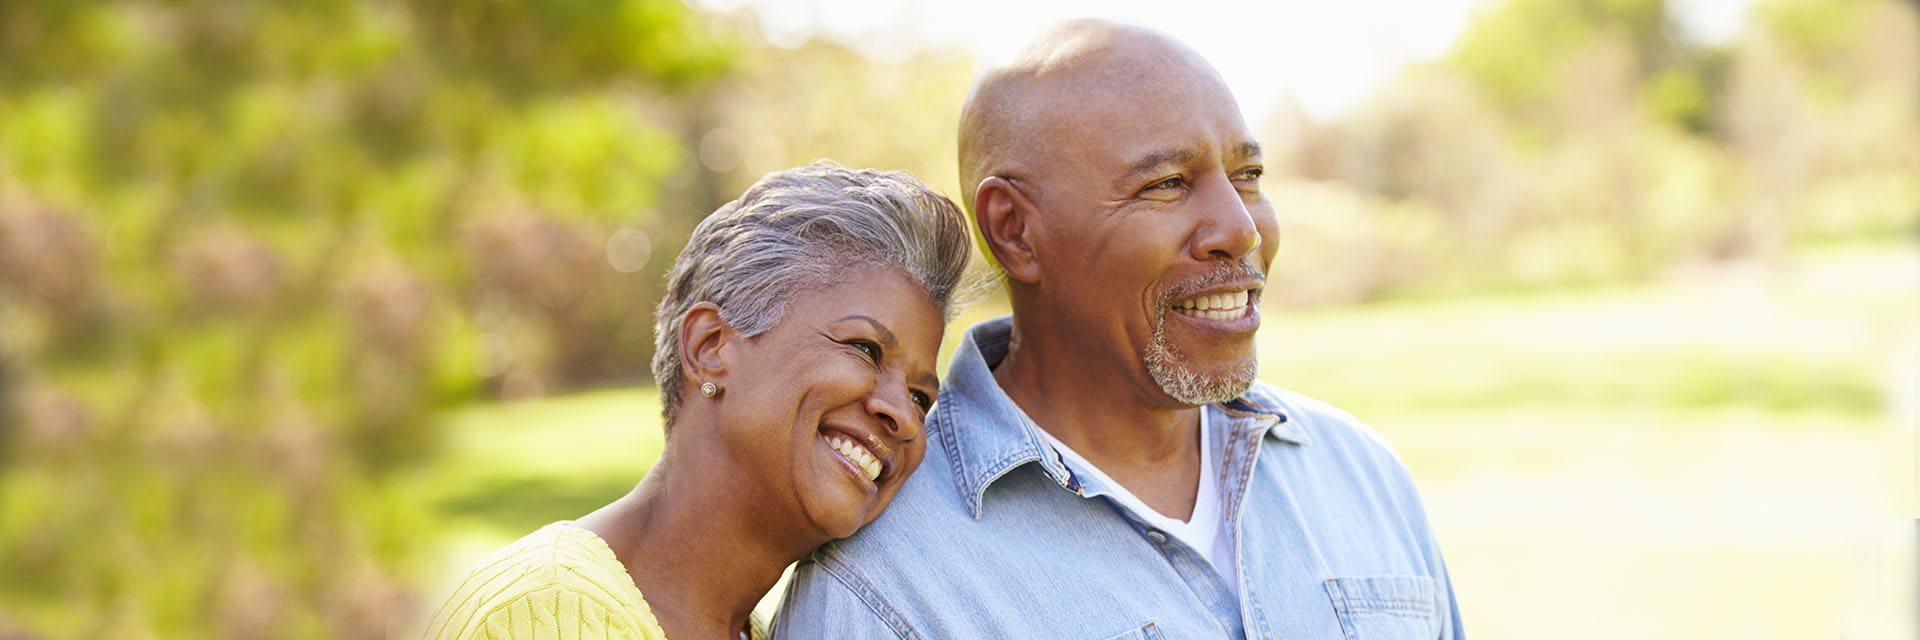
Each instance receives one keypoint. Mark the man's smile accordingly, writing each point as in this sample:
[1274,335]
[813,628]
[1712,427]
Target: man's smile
[1219,306]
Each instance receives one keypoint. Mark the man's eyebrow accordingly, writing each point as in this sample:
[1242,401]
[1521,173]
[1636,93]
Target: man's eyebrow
[1151,162]
[886,337]
[930,381]
[1246,150]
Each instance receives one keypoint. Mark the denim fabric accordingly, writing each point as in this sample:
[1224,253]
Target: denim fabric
[993,538]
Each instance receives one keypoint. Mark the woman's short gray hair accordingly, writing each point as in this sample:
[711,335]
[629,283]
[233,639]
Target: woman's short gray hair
[799,228]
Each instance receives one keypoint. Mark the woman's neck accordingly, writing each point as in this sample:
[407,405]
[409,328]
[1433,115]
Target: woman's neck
[698,544]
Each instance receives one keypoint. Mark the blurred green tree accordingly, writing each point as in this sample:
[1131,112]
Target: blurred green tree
[1589,141]
[245,250]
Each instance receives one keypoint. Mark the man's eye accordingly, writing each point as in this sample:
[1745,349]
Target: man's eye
[1168,183]
[921,400]
[1253,174]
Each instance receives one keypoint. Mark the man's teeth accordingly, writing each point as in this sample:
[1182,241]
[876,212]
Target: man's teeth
[858,454]
[1219,306]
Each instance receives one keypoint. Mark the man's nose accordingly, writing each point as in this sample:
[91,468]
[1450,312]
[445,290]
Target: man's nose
[1226,228]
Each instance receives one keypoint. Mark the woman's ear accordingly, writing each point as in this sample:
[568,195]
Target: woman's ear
[1003,214]
[704,340]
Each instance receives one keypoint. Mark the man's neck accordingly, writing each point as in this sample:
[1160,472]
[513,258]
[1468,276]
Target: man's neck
[1093,407]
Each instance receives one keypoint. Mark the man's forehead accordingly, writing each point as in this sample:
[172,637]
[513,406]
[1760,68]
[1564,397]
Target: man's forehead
[1155,120]
[1093,89]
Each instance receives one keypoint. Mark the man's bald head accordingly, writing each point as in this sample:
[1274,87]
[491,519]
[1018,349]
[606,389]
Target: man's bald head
[1007,115]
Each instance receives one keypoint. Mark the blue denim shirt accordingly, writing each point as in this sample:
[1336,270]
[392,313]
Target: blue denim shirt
[994,538]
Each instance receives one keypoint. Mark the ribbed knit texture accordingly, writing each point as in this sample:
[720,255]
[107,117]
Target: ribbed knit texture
[558,583]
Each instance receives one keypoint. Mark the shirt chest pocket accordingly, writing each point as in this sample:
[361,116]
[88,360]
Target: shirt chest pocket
[1385,607]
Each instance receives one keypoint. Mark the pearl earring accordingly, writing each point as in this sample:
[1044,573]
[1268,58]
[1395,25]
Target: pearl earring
[708,389]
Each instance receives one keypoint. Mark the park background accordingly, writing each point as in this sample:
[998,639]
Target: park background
[304,305]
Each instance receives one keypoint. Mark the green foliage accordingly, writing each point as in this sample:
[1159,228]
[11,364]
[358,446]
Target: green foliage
[1679,98]
[512,468]
[247,250]
[1571,143]
[1519,52]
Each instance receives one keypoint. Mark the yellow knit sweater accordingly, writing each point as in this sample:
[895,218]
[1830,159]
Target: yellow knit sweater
[558,583]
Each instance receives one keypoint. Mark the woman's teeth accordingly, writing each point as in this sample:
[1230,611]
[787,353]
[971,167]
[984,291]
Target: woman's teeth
[1220,306]
[858,454]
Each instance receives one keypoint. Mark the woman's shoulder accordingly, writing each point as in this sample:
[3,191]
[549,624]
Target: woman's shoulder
[561,576]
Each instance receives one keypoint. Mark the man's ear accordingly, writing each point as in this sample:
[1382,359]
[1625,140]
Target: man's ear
[1003,214]
[704,341]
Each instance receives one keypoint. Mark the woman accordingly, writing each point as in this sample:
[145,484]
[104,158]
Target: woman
[795,354]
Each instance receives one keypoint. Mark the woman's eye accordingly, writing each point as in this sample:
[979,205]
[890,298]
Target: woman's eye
[870,349]
[921,400]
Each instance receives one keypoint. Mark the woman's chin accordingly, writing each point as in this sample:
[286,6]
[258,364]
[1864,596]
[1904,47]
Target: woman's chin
[837,521]
[840,498]
[838,509]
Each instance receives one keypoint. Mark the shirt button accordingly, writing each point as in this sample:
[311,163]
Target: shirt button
[1157,537]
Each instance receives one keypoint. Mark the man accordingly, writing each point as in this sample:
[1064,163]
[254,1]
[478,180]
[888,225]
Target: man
[1102,464]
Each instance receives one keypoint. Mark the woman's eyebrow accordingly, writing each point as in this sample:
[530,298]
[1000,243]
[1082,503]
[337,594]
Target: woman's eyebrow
[886,337]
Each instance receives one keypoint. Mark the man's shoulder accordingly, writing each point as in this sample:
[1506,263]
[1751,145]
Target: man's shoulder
[899,571]
[1335,444]
[1344,455]
[1324,425]
[929,500]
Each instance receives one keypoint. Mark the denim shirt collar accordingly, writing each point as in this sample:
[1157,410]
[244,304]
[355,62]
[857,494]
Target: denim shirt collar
[999,437]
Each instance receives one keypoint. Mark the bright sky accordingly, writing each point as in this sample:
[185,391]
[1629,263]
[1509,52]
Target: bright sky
[1327,56]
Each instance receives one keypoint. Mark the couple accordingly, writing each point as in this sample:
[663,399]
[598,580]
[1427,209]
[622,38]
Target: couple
[1101,464]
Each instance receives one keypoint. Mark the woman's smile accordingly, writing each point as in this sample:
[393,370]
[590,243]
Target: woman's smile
[858,453]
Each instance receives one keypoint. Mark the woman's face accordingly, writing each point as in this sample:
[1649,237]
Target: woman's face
[829,405]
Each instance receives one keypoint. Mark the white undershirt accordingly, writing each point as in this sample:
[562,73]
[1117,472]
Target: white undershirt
[1205,531]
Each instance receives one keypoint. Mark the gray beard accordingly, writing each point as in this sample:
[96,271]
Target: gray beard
[1175,375]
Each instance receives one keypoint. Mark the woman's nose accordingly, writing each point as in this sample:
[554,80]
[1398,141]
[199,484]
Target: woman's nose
[893,405]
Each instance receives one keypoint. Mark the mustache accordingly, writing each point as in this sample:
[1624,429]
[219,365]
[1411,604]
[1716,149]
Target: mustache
[1223,271]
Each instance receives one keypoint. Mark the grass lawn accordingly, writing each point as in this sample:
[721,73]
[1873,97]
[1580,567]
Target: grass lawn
[1722,455]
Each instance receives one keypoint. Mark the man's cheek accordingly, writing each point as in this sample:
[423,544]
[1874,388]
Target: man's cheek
[1269,230]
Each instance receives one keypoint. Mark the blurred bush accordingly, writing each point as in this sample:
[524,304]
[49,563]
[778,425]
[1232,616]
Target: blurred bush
[1591,141]
[247,248]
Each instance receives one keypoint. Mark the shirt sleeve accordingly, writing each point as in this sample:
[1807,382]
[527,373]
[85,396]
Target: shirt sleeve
[1450,628]
[831,596]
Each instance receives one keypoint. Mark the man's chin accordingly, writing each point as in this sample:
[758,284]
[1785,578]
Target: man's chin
[1191,386]
[1200,369]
